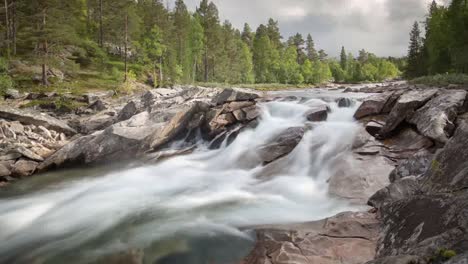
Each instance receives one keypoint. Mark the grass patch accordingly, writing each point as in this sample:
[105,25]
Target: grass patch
[60,104]
[442,79]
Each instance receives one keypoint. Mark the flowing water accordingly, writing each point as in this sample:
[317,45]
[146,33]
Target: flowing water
[195,208]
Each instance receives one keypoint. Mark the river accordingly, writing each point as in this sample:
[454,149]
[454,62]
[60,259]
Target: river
[195,208]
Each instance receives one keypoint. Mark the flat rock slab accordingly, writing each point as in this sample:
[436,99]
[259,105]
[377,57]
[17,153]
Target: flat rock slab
[35,118]
[348,238]
[281,145]
[372,105]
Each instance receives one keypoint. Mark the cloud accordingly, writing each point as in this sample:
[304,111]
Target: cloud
[380,26]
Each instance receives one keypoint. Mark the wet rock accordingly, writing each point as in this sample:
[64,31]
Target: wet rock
[436,119]
[128,111]
[23,168]
[373,128]
[251,112]
[372,105]
[405,144]
[317,114]
[27,153]
[405,107]
[35,118]
[346,238]
[396,191]
[345,102]
[281,145]
[356,177]
[231,95]
[416,165]
[392,101]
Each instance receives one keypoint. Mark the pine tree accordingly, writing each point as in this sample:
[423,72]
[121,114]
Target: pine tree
[343,59]
[312,54]
[262,52]
[197,38]
[414,52]
[182,21]
[274,34]
[298,42]
[322,55]
[247,35]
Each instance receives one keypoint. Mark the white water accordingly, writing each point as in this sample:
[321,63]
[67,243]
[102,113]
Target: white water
[204,193]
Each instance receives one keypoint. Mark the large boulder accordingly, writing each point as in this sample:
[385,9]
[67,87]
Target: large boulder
[35,118]
[436,119]
[372,105]
[317,113]
[23,168]
[348,238]
[394,192]
[406,105]
[281,145]
[231,95]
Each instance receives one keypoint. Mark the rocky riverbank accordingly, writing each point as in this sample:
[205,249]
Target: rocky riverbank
[407,161]
[421,133]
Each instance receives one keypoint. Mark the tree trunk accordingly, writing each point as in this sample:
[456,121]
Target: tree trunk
[161,76]
[7,25]
[205,59]
[14,27]
[126,47]
[101,29]
[45,51]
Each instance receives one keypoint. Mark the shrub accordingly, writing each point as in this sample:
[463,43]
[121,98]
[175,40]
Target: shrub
[5,83]
[442,79]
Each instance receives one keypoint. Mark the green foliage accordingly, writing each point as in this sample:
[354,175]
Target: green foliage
[444,49]
[442,79]
[5,80]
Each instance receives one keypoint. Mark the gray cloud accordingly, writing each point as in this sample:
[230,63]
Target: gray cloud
[380,26]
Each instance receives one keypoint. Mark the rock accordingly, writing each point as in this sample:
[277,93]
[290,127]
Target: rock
[4,171]
[12,94]
[405,144]
[356,177]
[223,121]
[10,156]
[98,105]
[449,169]
[351,90]
[373,128]
[372,105]
[27,153]
[128,111]
[281,145]
[405,107]
[23,168]
[234,106]
[436,119]
[348,238]
[423,224]
[362,137]
[34,118]
[35,96]
[396,191]
[317,114]
[416,165]
[251,112]
[403,259]
[392,101]
[231,95]
[95,123]
[240,115]
[345,102]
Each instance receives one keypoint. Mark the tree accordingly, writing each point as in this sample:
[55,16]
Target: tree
[298,42]
[312,54]
[154,49]
[262,52]
[290,70]
[274,34]
[247,35]
[322,55]
[197,38]
[343,59]
[182,21]
[209,19]
[414,52]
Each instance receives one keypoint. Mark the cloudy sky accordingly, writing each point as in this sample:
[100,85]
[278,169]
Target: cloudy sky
[379,26]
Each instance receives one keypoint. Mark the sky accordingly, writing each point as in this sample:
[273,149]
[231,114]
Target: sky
[379,26]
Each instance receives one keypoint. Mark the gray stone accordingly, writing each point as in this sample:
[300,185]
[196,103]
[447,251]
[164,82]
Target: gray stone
[281,145]
[403,259]
[416,165]
[128,111]
[396,191]
[317,114]
[23,168]
[98,105]
[4,171]
[372,105]
[35,118]
[436,119]
[373,128]
[231,95]
[405,107]
[12,94]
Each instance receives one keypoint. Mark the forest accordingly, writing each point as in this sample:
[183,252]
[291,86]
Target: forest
[440,48]
[107,42]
